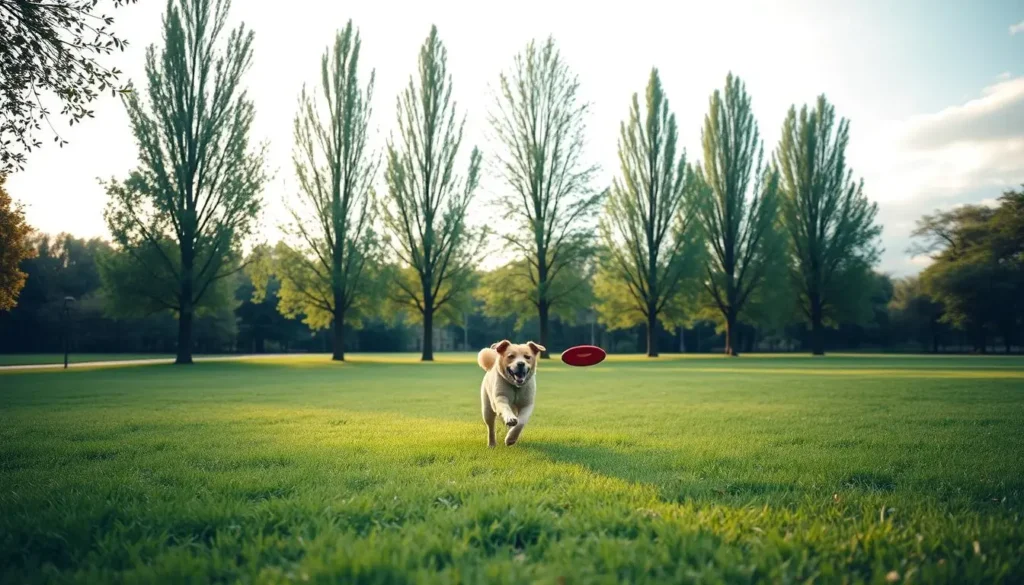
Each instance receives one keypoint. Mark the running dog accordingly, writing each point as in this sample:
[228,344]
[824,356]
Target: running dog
[509,387]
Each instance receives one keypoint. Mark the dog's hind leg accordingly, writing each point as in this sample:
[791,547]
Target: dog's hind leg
[513,433]
[489,416]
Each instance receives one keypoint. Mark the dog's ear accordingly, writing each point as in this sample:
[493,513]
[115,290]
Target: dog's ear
[501,346]
[536,347]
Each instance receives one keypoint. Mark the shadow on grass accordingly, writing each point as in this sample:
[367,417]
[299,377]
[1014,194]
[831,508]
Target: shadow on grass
[675,476]
[679,477]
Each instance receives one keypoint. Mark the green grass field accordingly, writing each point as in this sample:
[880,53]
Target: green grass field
[782,470]
[29,359]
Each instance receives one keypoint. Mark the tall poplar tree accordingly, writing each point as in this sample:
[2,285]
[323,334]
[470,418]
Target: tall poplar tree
[178,220]
[736,206]
[647,225]
[327,277]
[426,204]
[830,224]
[540,122]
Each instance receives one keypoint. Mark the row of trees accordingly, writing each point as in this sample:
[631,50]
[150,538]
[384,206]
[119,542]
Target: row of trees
[667,227]
[747,238]
[64,266]
[736,238]
[902,315]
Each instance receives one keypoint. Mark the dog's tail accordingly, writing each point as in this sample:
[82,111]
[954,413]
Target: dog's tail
[486,358]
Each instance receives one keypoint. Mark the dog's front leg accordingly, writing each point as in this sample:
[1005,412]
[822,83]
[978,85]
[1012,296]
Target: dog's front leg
[504,408]
[513,433]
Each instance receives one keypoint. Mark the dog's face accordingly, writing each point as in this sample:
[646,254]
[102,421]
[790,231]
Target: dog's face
[517,362]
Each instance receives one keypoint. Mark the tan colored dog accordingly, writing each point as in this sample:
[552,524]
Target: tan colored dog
[509,386]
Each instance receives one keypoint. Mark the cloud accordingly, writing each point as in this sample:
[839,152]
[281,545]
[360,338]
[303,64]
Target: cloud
[974,146]
[998,114]
[967,153]
[963,150]
[1016,28]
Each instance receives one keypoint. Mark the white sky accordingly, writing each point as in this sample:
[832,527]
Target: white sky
[917,148]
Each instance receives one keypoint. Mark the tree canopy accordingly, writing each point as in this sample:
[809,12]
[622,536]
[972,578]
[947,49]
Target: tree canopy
[540,122]
[51,49]
[648,231]
[830,223]
[426,204]
[736,206]
[179,219]
[14,248]
[977,272]
[506,292]
[326,278]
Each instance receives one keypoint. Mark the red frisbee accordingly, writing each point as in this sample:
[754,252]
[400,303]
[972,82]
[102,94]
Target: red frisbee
[583,355]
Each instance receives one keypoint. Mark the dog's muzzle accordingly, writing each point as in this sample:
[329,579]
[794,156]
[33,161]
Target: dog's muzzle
[518,373]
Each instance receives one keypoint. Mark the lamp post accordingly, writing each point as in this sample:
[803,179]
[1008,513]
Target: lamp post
[67,328]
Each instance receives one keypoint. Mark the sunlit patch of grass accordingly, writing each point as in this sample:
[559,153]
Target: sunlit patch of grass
[943,373]
[364,358]
[669,470]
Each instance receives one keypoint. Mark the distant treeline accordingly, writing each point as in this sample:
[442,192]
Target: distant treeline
[903,319]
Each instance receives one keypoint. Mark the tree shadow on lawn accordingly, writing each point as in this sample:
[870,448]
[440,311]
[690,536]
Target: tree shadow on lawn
[680,477]
[676,476]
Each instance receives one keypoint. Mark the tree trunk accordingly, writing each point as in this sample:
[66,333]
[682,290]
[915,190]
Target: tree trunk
[731,334]
[185,314]
[185,335]
[817,328]
[338,345]
[337,289]
[652,334]
[185,300]
[682,340]
[545,317]
[428,335]
[817,338]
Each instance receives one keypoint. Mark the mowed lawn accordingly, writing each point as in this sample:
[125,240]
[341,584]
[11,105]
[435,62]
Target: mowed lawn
[782,470]
[32,359]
